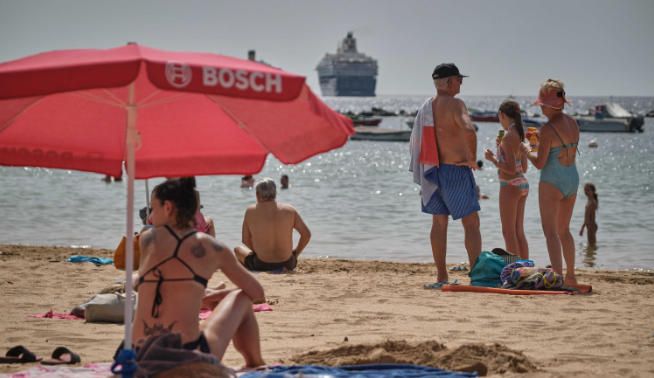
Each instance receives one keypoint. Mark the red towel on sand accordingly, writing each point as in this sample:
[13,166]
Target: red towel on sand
[57,315]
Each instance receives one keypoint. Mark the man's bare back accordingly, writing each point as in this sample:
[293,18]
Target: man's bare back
[267,233]
[455,135]
[268,230]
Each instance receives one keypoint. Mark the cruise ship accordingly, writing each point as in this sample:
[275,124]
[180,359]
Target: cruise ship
[348,72]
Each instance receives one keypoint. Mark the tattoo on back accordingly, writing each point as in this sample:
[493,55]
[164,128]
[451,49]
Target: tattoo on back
[157,329]
[198,250]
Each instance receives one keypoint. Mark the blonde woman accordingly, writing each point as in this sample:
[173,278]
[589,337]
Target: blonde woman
[559,179]
[514,187]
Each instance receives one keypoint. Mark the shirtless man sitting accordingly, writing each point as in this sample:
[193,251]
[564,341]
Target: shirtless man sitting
[268,232]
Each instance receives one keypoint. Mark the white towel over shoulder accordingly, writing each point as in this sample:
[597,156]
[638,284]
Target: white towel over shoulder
[424,119]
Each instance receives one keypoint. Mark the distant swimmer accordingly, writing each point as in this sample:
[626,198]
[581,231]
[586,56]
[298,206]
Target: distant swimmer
[592,144]
[247,181]
[590,223]
[283,182]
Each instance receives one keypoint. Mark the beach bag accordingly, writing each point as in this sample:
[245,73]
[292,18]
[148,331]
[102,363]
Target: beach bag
[486,270]
[120,252]
[106,308]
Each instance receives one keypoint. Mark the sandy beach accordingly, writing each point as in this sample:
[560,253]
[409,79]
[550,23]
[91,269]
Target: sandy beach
[338,311]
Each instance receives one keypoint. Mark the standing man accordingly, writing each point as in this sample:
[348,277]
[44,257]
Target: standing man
[267,234]
[450,174]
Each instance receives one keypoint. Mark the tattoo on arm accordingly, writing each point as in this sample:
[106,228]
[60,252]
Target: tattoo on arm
[157,329]
[198,250]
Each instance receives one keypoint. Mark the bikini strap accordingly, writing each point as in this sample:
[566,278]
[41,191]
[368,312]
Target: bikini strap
[173,256]
[179,240]
[563,144]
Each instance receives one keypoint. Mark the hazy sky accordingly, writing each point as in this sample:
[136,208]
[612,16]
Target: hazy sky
[598,47]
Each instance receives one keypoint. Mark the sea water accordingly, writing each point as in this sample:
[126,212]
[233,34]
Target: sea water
[359,201]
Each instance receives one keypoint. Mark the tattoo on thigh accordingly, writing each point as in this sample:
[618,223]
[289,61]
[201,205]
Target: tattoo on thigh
[157,329]
[198,250]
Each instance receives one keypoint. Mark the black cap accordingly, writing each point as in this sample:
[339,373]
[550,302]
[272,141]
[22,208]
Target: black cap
[444,70]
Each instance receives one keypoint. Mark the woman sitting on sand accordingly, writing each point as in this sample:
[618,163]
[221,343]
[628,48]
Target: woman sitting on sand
[176,265]
[559,179]
[511,165]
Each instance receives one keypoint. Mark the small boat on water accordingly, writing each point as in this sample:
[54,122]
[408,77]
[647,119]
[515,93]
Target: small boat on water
[532,121]
[610,117]
[484,116]
[366,121]
[380,134]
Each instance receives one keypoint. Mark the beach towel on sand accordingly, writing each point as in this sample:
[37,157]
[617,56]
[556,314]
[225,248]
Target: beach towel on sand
[356,371]
[424,152]
[92,259]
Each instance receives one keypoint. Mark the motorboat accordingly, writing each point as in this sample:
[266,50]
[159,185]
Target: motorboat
[484,116]
[380,134]
[610,117]
[366,121]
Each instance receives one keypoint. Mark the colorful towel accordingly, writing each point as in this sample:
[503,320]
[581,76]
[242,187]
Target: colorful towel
[92,259]
[57,315]
[92,370]
[424,152]
[356,371]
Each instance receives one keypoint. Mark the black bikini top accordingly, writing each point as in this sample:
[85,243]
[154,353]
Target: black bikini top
[156,272]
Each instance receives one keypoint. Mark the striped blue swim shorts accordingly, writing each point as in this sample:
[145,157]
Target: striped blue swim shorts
[456,194]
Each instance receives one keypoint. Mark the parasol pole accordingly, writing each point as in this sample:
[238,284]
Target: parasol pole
[147,201]
[126,358]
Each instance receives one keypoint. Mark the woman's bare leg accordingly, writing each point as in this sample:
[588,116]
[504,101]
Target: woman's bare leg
[549,198]
[233,319]
[567,241]
[520,228]
[508,209]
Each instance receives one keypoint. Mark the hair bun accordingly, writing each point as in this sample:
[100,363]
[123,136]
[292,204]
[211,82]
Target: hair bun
[188,182]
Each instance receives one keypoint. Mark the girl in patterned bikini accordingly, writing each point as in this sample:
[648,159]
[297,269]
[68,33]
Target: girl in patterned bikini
[511,165]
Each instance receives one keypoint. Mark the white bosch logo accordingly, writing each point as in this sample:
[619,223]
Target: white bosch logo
[178,75]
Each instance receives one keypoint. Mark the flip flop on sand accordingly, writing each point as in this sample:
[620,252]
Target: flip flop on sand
[18,355]
[439,285]
[62,356]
